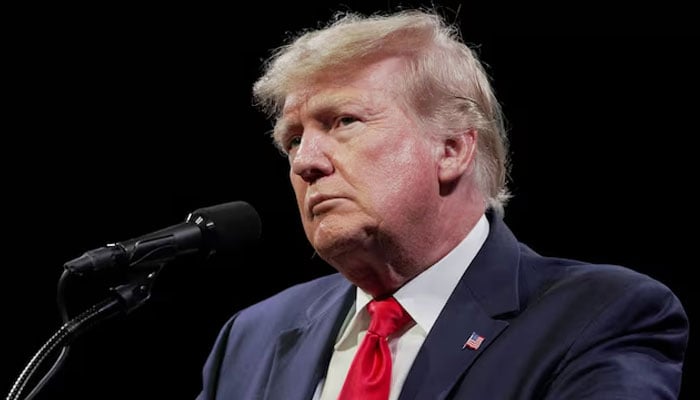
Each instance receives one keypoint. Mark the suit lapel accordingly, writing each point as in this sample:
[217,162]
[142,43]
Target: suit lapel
[444,356]
[302,354]
[489,288]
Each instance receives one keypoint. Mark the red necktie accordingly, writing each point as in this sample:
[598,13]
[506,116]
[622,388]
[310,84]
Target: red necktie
[369,377]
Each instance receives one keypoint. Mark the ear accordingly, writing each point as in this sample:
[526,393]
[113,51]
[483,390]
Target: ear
[457,156]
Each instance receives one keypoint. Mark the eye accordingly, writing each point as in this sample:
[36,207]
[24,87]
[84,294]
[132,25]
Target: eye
[345,120]
[292,143]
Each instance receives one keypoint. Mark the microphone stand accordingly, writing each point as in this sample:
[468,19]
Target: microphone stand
[125,299]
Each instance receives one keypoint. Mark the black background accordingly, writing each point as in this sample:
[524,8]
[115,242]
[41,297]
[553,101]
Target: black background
[121,120]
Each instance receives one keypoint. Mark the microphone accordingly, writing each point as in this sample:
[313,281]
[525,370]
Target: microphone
[219,228]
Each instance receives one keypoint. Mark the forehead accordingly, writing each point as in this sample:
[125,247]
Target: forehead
[324,102]
[367,84]
[324,99]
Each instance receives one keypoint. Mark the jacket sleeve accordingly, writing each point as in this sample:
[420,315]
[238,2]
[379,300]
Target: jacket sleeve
[212,367]
[633,349]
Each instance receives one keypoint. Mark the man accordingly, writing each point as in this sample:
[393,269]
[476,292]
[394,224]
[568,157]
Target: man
[398,161]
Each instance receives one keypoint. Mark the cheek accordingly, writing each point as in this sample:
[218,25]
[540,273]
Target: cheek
[400,171]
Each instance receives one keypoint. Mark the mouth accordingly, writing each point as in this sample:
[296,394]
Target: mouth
[316,203]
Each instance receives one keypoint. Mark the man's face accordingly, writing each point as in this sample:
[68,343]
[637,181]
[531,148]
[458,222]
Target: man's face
[361,168]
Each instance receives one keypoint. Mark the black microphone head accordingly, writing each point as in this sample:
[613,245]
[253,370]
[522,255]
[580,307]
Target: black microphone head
[228,225]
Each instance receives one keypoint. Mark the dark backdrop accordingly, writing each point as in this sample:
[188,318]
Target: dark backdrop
[123,120]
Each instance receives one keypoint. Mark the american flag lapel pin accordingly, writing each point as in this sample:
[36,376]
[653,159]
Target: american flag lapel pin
[473,342]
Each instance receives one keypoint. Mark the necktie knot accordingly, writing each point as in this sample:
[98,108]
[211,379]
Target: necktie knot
[387,317]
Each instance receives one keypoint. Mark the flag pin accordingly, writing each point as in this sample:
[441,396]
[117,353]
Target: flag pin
[473,342]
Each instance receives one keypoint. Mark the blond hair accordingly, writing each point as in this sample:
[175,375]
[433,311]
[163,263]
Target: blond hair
[445,83]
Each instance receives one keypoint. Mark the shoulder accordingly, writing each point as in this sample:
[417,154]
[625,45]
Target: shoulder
[599,298]
[295,304]
[615,278]
[302,295]
[580,279]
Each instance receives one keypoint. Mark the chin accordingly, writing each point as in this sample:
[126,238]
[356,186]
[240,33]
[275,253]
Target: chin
[331,239]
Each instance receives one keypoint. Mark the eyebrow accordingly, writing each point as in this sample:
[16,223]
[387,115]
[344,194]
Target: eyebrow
[321,105]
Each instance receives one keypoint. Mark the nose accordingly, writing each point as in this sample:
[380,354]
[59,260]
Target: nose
[310,159]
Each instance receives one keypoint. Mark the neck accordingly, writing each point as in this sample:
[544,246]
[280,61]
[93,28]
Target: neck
[384,264]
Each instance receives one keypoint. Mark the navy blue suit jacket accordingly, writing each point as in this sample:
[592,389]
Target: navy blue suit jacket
[553,329]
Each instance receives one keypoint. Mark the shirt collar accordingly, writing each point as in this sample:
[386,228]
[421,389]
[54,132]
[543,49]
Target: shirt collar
[425,295]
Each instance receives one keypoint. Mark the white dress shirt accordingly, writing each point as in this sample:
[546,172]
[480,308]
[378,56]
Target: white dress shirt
[423,298]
